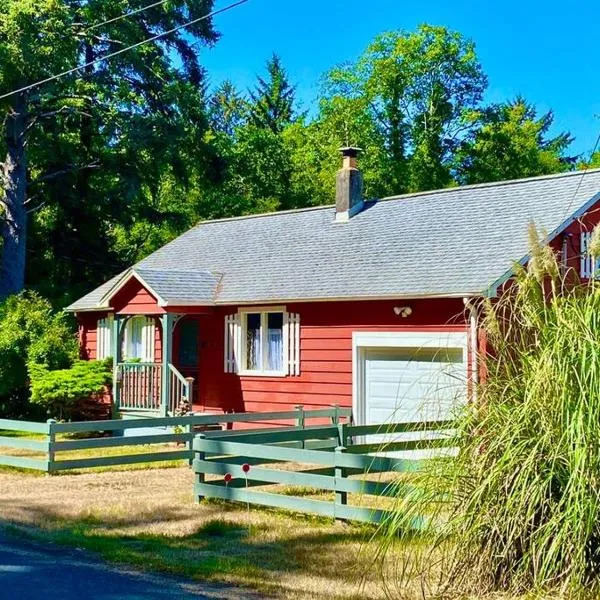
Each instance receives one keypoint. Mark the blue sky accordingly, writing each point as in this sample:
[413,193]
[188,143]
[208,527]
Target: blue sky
[543,50]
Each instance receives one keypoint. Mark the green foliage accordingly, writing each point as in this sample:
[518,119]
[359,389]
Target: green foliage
[101,143]
[60,391]
[30,334]
[228,109]
[272,101]
[511,141]
[127,155]
[415,88]
[522,510]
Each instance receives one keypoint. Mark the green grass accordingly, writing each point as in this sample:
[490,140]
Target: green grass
[148,520]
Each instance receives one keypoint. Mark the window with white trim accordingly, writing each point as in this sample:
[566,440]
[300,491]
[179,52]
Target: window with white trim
[138,339]
[262,341]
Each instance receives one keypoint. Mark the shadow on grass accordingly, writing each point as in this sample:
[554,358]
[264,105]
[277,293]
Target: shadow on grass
[223,549]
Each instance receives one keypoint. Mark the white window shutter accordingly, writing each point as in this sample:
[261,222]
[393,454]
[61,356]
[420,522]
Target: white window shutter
[587,262]
[233,343]
[148,340]
[104,338]
[292,347]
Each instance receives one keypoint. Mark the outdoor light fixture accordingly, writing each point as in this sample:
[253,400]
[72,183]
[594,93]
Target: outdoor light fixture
[402,311]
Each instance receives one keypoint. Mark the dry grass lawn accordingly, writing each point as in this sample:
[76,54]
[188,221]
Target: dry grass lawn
[147,518]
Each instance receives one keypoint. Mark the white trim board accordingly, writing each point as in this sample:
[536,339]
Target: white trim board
[361,341]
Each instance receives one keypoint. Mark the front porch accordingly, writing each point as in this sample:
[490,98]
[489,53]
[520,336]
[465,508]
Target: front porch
[146,382]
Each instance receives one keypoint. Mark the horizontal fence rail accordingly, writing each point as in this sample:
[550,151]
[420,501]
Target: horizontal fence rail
[317,459]
[53,447]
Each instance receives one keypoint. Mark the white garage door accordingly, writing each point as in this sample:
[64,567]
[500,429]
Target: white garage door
[412,384]
[412,378]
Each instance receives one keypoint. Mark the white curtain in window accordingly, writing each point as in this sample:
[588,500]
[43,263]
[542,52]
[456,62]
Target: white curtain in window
[253,342]
[275,349]
[138,343]
[269,338]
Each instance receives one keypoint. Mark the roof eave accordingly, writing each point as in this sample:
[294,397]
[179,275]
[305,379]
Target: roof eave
[492,290]
[417,296]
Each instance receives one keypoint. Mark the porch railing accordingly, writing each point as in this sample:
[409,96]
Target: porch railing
[140,386]
[180,390]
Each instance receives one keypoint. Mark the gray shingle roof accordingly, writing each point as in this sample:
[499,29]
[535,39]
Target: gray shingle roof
[178,286]
[444,243]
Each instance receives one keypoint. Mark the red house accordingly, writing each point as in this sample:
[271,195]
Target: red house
[365,304]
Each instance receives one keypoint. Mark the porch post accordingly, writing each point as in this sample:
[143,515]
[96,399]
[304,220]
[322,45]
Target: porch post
[167,354]
[116,354]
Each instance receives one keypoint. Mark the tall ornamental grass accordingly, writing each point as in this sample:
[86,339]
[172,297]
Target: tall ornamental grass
[518,510]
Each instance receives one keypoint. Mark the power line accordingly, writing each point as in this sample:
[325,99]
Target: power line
[122,50]
[124,16]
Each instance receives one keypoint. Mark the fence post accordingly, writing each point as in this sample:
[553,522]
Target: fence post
[190,430]
[200,455]
[341,497]
[300,420]
[342,435]
[335,419]
[51,440]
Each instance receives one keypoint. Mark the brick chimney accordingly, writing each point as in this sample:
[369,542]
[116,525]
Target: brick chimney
[348,186]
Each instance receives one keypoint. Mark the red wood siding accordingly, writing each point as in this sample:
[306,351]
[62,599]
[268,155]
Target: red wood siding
[134,299]
[325,353]
[572,235]
[88,332]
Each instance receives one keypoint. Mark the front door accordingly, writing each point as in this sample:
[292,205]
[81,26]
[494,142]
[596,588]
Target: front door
[187,351]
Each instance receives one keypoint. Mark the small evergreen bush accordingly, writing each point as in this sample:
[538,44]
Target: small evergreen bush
[61,391]
[31,334]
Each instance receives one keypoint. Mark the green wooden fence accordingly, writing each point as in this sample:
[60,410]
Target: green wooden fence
[323,458]
[88,444]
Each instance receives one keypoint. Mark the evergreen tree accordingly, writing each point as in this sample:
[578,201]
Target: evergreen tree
[228,109]
[85,155]
[272,100]
[512,141]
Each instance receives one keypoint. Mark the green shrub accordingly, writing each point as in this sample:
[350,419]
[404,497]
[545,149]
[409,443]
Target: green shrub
[30,334]
[60,391]
[523,495]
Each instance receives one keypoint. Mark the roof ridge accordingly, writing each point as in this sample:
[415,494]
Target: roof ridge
[460,188]
[136,267]
[266,214]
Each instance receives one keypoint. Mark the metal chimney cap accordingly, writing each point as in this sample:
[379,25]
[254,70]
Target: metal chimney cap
[350,151]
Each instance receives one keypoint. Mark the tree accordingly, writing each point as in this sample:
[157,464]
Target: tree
[84,153]
[228,110]
[272,100]
[511,141]
[415,88]
[31,334]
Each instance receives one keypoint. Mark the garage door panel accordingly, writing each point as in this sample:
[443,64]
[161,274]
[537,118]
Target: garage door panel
[412,390]
[418,355]
[413,384]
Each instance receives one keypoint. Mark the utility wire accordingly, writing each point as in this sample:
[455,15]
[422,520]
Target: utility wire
[123,50]
[123,16]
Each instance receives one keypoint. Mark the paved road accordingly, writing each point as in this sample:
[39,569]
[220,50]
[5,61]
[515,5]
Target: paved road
[34,572]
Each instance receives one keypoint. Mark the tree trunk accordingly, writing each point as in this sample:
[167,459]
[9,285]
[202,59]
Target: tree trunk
[13,216]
